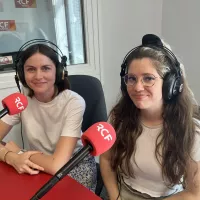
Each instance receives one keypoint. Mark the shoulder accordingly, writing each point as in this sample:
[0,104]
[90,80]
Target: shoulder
[71,98]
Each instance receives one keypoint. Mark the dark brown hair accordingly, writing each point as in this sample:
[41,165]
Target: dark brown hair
[61,85]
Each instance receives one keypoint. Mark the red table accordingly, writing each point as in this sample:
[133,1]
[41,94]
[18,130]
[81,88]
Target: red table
[14,186]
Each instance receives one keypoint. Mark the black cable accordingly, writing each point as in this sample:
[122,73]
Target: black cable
[22,133]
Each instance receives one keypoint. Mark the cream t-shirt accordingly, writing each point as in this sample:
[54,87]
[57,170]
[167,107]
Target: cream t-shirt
[148,174]
[45,123]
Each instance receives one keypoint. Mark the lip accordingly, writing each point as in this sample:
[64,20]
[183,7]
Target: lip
[140,97]
[39,83]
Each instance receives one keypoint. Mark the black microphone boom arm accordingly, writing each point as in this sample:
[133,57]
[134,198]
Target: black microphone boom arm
[3,112]
[62,172]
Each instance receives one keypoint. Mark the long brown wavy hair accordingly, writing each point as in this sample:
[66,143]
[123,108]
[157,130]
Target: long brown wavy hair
[175,141]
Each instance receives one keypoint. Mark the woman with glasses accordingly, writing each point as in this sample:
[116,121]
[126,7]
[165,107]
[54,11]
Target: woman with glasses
[157,151]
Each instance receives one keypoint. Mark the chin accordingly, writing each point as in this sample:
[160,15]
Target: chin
[39,91]
[141,105]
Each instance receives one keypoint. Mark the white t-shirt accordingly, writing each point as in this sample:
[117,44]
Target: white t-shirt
[148,174]
[44,123]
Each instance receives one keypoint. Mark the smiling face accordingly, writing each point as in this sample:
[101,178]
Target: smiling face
[40,74]
[145,97]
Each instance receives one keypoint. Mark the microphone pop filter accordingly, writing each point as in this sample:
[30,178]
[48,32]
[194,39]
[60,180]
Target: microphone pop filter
[15,103]
[101,136]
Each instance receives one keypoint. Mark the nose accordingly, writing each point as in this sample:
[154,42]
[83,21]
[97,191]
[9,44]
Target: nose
[139,86]
[38,74]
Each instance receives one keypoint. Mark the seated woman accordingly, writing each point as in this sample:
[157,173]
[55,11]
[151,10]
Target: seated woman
[157,151]
[52,120]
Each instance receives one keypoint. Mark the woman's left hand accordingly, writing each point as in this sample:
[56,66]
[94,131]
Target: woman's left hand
[12,146]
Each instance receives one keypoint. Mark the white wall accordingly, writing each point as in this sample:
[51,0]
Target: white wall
[180,27]
[122,25]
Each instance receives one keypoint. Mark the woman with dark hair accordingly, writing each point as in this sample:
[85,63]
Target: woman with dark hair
[157,151]
[52,120]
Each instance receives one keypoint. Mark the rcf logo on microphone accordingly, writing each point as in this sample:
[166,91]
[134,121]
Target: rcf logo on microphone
[15,103]
[19,104]
[104,132]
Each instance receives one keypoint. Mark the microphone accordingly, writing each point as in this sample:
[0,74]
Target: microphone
[13,104]
[97,139]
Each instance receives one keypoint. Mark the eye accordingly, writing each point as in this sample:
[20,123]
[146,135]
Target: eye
[148,78]
[132,78]
[46,68]
[30,69]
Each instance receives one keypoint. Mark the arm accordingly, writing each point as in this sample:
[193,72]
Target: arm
[62,154]
[109,176]
[192,191]
[21,159]
[4,129]
[51,163]
[71,131]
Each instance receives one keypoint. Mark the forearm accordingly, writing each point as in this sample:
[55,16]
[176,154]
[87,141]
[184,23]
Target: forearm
[50,164]
[109,179]
[42,160]
[3,152]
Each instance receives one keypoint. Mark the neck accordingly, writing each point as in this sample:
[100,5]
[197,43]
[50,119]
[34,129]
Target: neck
[47,97]
[152,117]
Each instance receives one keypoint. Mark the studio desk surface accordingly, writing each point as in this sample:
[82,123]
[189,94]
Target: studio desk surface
[14,186]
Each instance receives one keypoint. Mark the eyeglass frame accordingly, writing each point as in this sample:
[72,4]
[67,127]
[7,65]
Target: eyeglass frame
[137,80]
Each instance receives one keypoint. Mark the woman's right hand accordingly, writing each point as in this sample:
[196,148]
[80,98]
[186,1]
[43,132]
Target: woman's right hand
[22,163]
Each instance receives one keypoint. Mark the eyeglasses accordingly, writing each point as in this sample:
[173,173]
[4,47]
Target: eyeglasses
[148,80]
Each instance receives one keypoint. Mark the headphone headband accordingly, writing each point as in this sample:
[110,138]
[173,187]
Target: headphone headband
[154,42]
[173,82]
[38,41]
[61,71]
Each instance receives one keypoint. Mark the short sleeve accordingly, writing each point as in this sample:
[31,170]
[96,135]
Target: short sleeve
[74,117]
[196,147]
[11,119]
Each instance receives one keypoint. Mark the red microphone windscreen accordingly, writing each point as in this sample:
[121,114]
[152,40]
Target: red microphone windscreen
[15,103]
[101,136]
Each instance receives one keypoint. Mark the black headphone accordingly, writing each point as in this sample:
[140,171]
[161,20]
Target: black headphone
[172,81]
[61,70]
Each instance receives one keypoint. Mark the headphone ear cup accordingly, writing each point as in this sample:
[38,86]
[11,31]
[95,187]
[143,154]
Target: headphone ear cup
[60,69]
[172,86]
[59,73]
[20,72]
[122,74]
[123,87]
